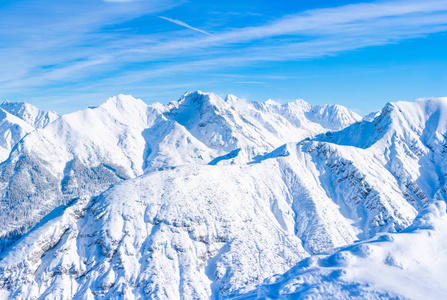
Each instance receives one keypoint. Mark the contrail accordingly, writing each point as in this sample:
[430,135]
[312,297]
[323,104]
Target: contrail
[184,25]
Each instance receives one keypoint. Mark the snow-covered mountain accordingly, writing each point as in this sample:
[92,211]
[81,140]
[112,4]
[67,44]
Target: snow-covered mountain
[86,152]
[213,196]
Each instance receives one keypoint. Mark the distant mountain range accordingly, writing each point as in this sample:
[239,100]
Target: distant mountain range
[210,197]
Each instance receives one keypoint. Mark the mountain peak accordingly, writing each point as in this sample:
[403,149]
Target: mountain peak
[127,109]
[271,102]
[230,98]
[196,96]
[29,113]
[200,100]
[123,102]
[123,99]
[301,103]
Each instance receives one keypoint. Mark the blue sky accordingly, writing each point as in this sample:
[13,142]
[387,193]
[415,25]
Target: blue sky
[67,55]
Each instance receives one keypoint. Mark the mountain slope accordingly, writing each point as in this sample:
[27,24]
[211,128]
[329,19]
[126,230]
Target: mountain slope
[12,130]
[400,155]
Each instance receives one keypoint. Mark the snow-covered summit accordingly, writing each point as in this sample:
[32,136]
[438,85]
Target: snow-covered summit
[125,109]
[421,123]
[29,113]
[17,120]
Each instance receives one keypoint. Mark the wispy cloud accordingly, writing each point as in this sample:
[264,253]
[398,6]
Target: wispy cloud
[97,42]
[184,25]
[382,22]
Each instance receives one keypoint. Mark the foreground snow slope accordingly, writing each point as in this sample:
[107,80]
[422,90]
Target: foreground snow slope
[86,152]
[190,232]
[407,265]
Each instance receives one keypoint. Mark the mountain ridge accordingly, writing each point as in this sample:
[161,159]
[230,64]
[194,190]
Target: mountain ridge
[89,150]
